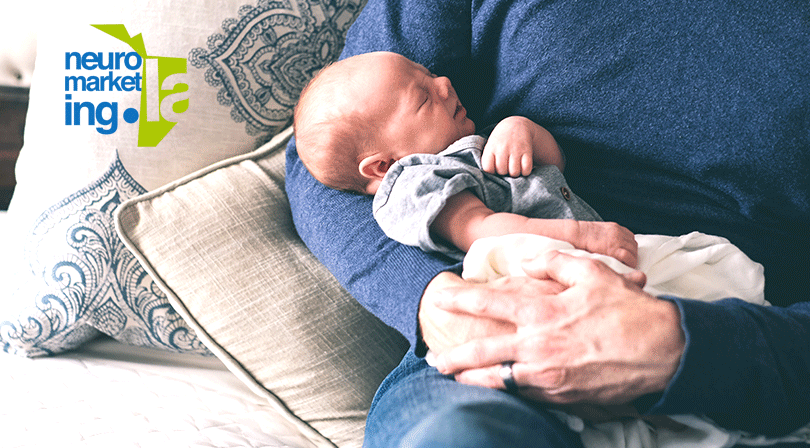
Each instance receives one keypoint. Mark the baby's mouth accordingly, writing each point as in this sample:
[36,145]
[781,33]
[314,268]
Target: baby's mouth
[459,108]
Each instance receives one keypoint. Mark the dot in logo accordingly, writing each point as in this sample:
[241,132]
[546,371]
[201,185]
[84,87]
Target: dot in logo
[131,115]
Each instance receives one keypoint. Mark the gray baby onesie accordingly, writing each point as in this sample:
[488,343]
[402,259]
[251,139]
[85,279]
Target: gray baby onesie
[416,188]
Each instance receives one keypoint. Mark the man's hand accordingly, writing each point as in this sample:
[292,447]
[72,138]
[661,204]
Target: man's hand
[443,330]
[516,144]
[601,340]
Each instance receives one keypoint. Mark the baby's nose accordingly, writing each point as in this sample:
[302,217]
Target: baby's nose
[443,87]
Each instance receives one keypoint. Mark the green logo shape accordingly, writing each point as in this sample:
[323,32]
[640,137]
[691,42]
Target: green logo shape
[163,94]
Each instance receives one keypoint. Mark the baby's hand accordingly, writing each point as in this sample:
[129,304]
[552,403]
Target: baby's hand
[607,238]
[516,144]
[509,151]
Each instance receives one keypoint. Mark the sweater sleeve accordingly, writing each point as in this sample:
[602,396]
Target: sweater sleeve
[746,366]
[386,277]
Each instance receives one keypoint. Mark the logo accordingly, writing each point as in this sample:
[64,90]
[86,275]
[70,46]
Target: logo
[159,79]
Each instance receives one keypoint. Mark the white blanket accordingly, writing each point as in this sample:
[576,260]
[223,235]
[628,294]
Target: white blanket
[695,266]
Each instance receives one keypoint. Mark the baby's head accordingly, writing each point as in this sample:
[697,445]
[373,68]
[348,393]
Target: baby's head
[360,115]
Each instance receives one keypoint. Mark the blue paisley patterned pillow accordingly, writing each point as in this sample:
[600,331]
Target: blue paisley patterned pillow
[91,282]
[246,66]
[262,60]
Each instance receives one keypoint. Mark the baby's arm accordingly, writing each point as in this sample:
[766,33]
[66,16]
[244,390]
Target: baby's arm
[516,144]
[465,219]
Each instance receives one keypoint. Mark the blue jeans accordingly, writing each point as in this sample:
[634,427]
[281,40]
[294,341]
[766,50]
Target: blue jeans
[417,407]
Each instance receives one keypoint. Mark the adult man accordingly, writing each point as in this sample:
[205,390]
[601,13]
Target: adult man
[673,118]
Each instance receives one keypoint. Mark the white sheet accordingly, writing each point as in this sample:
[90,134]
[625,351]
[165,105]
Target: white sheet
[113,395]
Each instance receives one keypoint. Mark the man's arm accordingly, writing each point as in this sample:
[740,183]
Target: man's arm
[384,276]
[752,360]
[437,34]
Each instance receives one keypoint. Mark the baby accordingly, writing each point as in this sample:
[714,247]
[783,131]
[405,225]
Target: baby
[383,125]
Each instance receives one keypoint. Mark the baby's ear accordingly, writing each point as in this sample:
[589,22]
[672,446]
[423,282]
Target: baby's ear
[375,166]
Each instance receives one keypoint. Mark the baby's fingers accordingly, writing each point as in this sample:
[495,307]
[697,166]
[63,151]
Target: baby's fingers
[504,163]
[519,164]
[488,162]
[627,255]
[526,164]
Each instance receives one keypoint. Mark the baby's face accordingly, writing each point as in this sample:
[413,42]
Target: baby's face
[419,112]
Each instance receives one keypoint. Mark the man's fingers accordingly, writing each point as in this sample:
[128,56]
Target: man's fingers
[485,377]
[478,353]
[478,302]
[636,277]
[531,383]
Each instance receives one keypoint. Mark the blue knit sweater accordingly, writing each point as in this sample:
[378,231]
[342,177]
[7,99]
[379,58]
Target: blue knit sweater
[674,117]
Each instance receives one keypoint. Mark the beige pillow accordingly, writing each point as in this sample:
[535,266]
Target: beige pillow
[222,245]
